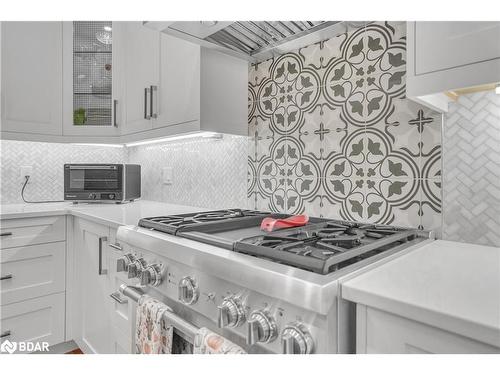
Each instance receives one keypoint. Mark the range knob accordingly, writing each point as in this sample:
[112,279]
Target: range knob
[123,262]
[296,339]
[188,291]
[134,269]
[93,196]
[151,275]
[231,312]
[261,328]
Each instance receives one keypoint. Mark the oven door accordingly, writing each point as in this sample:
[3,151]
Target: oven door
[93,181]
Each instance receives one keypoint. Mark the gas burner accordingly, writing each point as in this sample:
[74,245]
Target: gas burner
[216,215]
[172,224]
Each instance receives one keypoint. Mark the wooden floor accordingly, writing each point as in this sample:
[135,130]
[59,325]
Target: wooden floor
[76,351]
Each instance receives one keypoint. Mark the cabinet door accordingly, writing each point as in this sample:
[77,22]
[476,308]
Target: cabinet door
[447,45]
[178,98]
[91,72]
[142,57]
[92,316]
[32,77]
[121,307]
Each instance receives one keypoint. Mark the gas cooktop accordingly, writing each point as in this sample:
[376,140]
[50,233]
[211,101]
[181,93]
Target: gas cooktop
[321,246]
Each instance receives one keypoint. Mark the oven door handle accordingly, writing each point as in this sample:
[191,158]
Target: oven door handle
[183,326]
[103,167]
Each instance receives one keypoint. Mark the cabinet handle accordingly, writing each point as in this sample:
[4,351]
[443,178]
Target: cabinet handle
[116,246]
[116,296]
[6,277]
[5,234]
[101,271]
[115,104]
[5,334]
[152,112]
[146,92]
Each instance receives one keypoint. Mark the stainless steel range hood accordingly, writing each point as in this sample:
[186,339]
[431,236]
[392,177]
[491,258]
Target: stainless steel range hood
[254,40]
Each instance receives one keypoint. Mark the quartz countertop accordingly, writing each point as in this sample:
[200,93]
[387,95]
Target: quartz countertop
[451,285]
[110,214]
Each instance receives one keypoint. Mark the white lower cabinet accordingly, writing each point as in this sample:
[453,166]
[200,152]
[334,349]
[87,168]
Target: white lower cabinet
[36,320]
[93,325]
[381,332]
[32,271]
[101,324]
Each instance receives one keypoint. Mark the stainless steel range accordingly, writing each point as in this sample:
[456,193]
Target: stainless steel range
[273,291]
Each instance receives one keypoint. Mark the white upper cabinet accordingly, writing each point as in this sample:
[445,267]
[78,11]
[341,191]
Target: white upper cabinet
[115,82]
[31,78]
[449,45]
[91,67]
[446,56]
[142,72]
[178,95]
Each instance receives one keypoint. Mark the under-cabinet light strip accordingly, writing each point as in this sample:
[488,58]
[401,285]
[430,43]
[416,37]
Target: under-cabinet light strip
[175,138]
[99,144]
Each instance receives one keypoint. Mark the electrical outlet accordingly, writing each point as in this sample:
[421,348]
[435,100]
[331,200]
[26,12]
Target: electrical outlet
[26,170]
[167,175]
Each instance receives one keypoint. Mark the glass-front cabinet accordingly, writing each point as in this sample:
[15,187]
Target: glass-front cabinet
[92,92]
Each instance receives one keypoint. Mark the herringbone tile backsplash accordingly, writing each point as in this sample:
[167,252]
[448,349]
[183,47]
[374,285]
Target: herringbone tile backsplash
[206,173]
[47,160]
[471,170]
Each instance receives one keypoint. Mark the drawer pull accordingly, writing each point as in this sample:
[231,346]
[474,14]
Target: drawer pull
[5,334]
[5,234]
[100,270]
[117,297]
[6,277]
[116,246]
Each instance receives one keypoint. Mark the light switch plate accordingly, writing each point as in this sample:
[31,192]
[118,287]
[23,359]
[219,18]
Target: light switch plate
[167,175]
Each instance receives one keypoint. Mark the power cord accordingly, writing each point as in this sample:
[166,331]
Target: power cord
[27,177]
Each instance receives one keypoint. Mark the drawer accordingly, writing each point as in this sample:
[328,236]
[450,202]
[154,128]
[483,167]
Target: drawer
[32,271]
[36,320]
[32,231]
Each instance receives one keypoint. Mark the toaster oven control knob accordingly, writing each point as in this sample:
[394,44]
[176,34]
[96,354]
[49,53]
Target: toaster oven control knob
[231,312]
[296,339]
[261,328]
[92,195]
[123,262]
[188,291]
[111,196]
[151,275]
[134,269]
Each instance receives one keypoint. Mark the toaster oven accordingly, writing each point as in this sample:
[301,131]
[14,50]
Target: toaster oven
[102,182]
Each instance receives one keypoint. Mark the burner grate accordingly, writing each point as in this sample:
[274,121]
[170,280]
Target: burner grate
[325,247]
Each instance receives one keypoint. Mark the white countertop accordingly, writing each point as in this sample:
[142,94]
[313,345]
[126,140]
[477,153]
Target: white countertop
[110,214]
[450,285]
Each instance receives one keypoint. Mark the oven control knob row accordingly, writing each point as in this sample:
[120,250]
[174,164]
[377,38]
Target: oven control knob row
[231,312]
[188,291]
[151,275]
[123,262]
[296,339]
[261,327]
[135,268]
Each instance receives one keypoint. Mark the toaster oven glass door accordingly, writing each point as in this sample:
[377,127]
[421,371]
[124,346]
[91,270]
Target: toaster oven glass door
[93,178]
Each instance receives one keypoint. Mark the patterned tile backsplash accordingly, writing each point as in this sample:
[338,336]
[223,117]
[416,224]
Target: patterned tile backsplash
[471,170]
[333,135]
